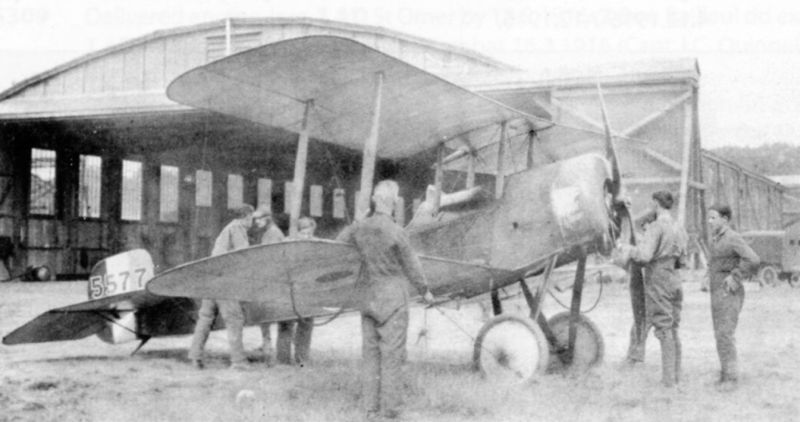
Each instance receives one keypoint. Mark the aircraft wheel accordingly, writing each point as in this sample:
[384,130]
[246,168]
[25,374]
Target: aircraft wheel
[768,276]
[511,349]
[589,346]
[794,280]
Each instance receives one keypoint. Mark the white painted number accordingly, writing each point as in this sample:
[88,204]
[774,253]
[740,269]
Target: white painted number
[96,287]
[141,272]
[109,284]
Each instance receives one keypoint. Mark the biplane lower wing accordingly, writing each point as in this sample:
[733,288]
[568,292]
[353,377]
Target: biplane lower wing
[308,275]
[81,319]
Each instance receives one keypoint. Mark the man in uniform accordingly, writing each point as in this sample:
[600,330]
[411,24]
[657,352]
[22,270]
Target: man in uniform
[232,237]
[305,326]
[388,262]
[268,232]
[731,261]
[297,332]
[661,252]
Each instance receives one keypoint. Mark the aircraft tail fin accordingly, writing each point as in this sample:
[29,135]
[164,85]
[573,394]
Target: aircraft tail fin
[121,273]
[116,292]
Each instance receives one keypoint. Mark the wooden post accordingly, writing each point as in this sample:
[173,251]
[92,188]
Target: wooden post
[370,152]
[499,181]
[22,193]
[701,194]
[470,171]
[685,162]
[439,178]
[300,161]
[228,46]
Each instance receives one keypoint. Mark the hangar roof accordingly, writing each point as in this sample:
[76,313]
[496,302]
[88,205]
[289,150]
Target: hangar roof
[680,70]
[131,77]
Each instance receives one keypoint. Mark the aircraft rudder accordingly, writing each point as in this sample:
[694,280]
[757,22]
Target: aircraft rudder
[121,273]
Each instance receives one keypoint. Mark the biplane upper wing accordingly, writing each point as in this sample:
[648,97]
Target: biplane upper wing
[305,276]
[272,84]
[81,319]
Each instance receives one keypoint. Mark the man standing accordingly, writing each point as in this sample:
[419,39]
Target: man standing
[387,262]
[305,326]
[268,232]
[232,237]
[731,261]
[661,252]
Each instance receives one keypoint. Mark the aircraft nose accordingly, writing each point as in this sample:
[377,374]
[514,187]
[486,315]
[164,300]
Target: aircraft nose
[580,199]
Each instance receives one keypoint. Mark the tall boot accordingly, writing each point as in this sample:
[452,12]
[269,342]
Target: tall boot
[667,358]
[284,342]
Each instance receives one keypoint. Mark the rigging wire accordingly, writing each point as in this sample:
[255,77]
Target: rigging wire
[591,308]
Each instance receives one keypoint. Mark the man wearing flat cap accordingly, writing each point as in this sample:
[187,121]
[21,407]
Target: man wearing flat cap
[232,237]
[662,251]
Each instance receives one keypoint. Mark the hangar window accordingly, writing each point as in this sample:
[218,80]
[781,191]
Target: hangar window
[235,191]
[203,188]
[315,200]
[265,192]
[168,197]
[43,182]
[131,190]
[89,189]
[339,203]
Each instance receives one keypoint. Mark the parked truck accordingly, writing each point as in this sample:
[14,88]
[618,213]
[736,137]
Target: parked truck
[779,251]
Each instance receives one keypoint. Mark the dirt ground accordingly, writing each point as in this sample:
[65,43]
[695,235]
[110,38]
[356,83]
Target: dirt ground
[89,380]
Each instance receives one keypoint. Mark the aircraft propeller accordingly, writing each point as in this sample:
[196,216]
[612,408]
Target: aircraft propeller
[619,214]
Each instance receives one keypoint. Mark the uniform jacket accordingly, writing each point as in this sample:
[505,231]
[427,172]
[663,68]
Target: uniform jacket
[663,239]
[232,237]
[272,235]
[731,254]
[387,262]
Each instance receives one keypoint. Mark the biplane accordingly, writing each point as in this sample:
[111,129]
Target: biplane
[535,216]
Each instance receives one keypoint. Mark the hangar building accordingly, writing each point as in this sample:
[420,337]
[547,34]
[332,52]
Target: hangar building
[95,159]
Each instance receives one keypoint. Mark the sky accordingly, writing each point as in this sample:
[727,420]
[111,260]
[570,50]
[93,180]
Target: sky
[749,51]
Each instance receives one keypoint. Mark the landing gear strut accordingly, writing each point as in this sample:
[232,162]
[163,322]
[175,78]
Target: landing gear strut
[518,349]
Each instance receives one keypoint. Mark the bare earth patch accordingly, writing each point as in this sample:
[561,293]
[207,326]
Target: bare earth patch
[89,380]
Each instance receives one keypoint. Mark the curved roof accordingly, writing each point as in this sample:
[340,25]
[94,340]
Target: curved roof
[319,24]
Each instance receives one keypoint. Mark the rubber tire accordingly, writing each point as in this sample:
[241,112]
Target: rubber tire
[794,280]
[506,327]
[589,345]
[768,276]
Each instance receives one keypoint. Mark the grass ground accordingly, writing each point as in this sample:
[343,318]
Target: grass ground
[89,380]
